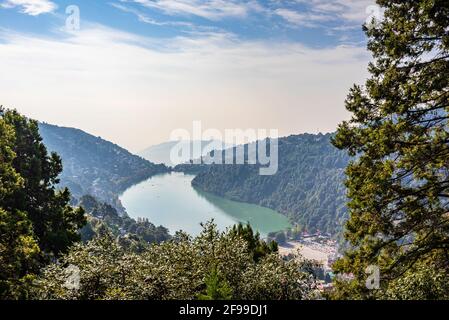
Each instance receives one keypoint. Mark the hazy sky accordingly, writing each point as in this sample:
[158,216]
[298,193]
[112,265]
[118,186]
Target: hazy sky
[138,69]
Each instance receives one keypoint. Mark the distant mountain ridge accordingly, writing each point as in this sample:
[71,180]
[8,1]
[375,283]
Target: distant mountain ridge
[308,187]
[160,154]
[92,165]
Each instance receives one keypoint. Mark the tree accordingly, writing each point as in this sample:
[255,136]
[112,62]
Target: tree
[101,216]
[55,222]
[296,232]
[214,265]
[35,219]
[418,283]
[257,247]
[280,237]
[18,255]
[398,184]
[217,288]
[10,180]
[18,247]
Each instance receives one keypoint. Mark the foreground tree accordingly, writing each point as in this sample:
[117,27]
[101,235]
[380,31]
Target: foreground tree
[55,222]
[35,220]
[213,265]
[256,246]
[399,183]
[18,247]
[18,255]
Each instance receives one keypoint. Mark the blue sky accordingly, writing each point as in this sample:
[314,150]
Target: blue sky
[152,66]
[315,23]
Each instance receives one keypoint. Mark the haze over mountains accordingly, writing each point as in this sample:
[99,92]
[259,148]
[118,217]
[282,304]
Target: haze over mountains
[95,166]
[160,154]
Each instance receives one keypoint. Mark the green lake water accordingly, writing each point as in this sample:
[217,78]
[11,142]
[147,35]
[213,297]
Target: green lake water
[171,201]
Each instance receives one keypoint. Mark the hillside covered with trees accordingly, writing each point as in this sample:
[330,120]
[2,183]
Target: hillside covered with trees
[308,187]
[95,166]
[103,218]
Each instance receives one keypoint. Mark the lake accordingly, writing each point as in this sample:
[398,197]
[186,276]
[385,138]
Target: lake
[171,201]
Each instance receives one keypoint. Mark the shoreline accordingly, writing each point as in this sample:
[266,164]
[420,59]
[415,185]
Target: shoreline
[310,250]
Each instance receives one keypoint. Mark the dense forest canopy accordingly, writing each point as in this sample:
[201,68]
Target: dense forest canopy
[213,265]
[308,187]
[103,218]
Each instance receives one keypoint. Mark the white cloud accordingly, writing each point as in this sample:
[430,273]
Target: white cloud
[31,7]
[135,90]
[209,9]
[302,19]
[147,19]
[310,13]
[348,10]
[314,13]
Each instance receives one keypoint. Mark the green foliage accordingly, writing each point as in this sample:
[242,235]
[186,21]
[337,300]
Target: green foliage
[18,247]
[133,233]
[399,184]
[35,221]
[280,238]
[216,287]
[95,166]
[308,186]
[257,247]
[55,223]
[182,268]
[10,180]
[18,255]
[419,283]
[296,232]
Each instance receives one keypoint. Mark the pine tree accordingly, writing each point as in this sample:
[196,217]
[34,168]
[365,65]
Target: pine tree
[18,246]
[55,222]
[18,255]
[399,183]
[257,247]
[216,287]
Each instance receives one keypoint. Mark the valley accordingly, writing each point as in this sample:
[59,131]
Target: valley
[307,191]
[170,200]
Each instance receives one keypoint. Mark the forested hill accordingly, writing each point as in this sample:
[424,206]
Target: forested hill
[95,166]
[308,187]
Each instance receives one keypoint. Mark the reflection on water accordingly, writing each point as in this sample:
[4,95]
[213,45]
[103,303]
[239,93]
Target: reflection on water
[171,201]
